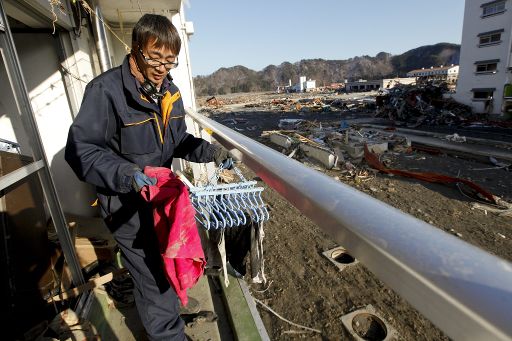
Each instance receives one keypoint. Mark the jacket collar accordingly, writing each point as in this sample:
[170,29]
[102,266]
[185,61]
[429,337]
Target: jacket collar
[132,87]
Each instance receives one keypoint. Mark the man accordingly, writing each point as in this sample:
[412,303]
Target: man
[132,116]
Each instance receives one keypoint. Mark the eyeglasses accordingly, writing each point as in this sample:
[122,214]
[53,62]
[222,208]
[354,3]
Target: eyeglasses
[156,63]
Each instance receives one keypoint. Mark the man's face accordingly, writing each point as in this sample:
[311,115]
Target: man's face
[149,62]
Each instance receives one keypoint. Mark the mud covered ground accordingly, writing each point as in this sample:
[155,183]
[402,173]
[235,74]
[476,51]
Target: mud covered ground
[306,288]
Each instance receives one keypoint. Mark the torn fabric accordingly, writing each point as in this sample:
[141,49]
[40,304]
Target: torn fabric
[175,227]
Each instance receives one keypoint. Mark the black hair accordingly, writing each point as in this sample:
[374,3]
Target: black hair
[158,28]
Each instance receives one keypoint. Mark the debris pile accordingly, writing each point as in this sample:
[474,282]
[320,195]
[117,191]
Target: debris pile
[359,154]
[415,105]
[335,147]
[318,104]
[214,102]
[287,104]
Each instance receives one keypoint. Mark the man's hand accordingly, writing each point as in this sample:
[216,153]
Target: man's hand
[223,157]
[140,180]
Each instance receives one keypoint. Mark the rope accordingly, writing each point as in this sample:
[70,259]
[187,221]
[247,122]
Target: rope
[90,11]
[282,318]
[54,3]
[69,73]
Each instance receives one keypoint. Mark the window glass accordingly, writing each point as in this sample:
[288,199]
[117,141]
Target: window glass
[486,67]
[485,40]
[13,136]
[494,8]
[491,38]
[507,92]
[482,94]
[496,37]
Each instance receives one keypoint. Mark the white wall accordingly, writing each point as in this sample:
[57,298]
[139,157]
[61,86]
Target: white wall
[11,126]
[470,53]
[119,50]
[392,82]
[53,113]
[183,78]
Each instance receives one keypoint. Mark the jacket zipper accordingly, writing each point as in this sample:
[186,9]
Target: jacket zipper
[158,128]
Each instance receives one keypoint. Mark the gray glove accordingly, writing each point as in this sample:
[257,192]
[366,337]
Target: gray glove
[140,180]
[223,157]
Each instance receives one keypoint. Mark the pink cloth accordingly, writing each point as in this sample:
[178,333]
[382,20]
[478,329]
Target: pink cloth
[175,226]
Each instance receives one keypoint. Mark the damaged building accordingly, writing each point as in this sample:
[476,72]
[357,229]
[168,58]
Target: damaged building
[362,85]
[447,74]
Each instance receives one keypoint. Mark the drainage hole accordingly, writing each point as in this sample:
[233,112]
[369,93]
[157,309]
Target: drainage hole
[341,256]
[369,327]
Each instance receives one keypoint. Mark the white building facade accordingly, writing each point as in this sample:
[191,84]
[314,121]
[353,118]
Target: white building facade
[304,85]
[443,73]
[485,61]
[377,84]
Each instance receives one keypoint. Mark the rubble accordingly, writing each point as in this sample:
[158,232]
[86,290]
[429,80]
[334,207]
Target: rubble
[337,143]
[374,162]
[416,105]
[289,123]
[214,102]
[331,146]
[322,155]
[455,138]
[325,102]
[344,149]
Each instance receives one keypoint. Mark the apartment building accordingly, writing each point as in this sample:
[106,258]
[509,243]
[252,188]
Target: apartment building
[485,73]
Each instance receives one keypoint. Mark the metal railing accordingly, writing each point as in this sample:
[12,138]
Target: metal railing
[464,290]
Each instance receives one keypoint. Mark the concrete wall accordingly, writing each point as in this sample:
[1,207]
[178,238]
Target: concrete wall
[310,85]
[474,24]
[363,86]
[183,77]
[392,82]
[11,125]
[51,103]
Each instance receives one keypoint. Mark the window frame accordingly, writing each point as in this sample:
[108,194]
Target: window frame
[489,36]
[490,67]
[493,5]
[488,91]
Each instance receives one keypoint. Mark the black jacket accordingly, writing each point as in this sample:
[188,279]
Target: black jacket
[118,130]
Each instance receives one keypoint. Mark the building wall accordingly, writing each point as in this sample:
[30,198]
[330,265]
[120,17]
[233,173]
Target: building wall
[452,71]
[11,124]
[182,76]
[474,24]
[392,82]
[310,85]
[302,80]
[378,84]
[363,85]
[51,104]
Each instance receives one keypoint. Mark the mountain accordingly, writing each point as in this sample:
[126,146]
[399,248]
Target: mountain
[241,79]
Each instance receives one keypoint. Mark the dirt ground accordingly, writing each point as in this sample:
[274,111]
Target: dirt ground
[306,288]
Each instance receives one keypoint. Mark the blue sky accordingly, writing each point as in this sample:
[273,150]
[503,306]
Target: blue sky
[258,33]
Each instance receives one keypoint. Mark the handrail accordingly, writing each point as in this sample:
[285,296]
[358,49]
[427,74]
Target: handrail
[464,290]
